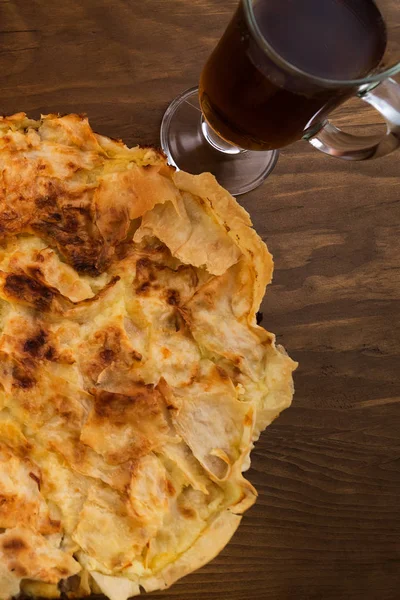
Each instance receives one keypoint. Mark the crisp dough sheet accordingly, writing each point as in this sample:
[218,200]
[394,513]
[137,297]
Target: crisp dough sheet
[134,380]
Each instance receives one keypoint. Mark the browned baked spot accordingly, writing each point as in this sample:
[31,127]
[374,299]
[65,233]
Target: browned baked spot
[146,275]
[34,344]
[109,345]
[173,297]
[39,345]
[22,379]
[143,401]
[23,288]
[50,354]
[35,478]
[47,201]
[107,355]
[222,373]
[187,512]
[13,545]
[143,288]
[72,231]
[4,501]
[55,524]
[18,569]
[248,420]
[170,488]
[166,352]
[144,269]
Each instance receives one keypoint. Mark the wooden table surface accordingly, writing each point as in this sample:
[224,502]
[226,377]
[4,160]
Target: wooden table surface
[327,522]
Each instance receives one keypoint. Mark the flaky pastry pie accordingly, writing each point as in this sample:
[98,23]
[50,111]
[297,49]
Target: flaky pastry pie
[133,377]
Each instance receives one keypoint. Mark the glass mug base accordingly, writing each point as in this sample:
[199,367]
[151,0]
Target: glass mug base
[187,148]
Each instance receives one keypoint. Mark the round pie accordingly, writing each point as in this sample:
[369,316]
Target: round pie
[134,379]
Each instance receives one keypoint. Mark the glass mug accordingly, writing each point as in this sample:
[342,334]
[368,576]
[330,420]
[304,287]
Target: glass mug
[278,71]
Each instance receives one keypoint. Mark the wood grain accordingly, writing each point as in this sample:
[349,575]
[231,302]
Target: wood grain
[327,522]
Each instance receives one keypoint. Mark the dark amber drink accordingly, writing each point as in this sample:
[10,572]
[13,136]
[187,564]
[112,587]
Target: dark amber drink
[257,101]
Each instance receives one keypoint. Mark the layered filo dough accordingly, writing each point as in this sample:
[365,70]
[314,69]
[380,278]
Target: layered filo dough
[134,379]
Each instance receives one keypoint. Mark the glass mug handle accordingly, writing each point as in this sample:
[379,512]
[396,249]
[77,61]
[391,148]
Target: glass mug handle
[385,97]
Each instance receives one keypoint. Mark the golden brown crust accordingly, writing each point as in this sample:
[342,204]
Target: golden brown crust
[236,221]
[133,377]
[124,427]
